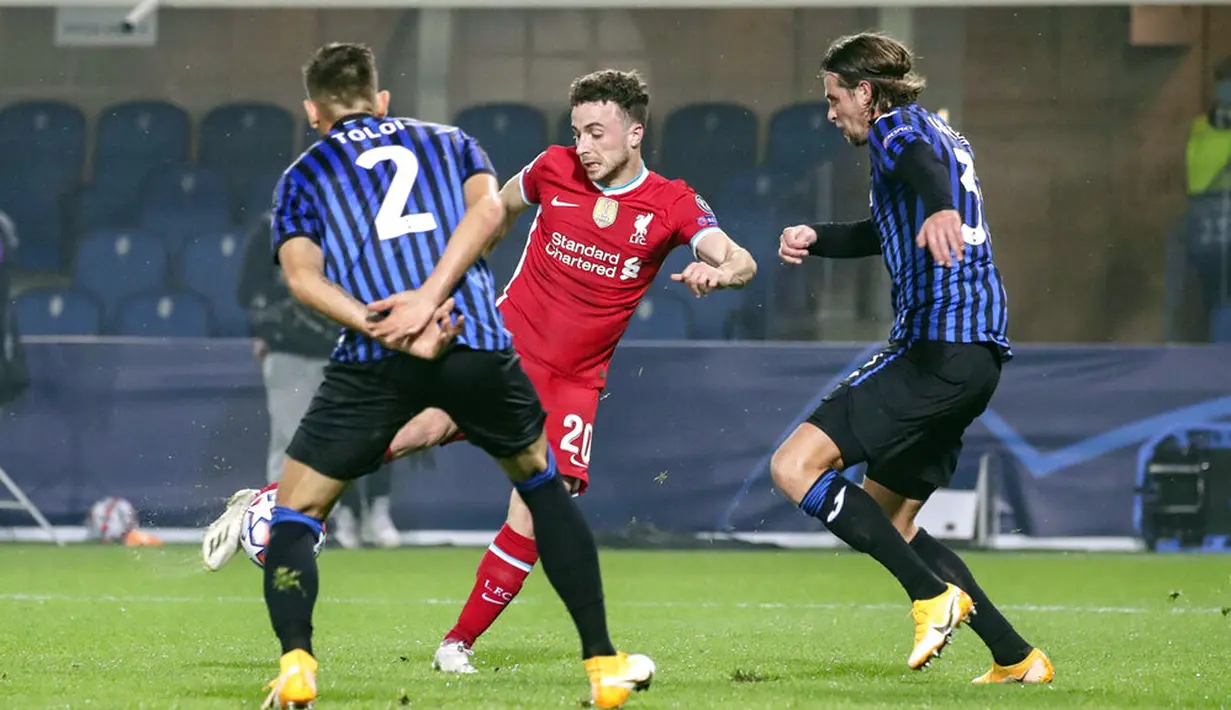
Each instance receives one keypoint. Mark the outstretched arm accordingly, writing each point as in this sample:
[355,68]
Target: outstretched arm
[837,240]
[724,264]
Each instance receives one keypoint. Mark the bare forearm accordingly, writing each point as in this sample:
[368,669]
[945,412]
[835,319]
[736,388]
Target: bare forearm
[739,267]
[327,298]
[469,241]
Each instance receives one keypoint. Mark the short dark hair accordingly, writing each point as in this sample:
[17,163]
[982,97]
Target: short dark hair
[341,73]
[885,63]
[625,89]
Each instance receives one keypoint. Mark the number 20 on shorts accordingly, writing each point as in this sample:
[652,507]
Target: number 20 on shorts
[577,428]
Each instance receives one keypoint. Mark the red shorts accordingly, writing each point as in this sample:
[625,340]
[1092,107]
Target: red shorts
[570,408]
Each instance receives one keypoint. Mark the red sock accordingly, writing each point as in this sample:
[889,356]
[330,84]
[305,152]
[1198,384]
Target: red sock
[501,574]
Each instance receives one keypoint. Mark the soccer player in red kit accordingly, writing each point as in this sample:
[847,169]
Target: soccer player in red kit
[605,224]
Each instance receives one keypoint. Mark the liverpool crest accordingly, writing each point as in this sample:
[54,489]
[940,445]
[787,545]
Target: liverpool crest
[605,210]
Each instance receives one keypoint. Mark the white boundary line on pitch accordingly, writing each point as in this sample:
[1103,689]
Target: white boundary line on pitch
[483,538]
[375,601]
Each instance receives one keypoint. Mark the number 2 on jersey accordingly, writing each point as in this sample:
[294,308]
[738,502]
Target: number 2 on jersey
[391,220]
[977,234]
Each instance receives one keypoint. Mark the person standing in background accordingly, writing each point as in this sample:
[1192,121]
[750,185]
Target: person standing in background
[293,345]
[1209,140]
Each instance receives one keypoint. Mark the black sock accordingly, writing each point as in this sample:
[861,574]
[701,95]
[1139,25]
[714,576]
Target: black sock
[1006,645]
[856,519]
[569,557]
[291,579]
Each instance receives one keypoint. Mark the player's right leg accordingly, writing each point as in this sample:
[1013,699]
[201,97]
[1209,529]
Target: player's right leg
[494,403]
[806,468]
[343,436]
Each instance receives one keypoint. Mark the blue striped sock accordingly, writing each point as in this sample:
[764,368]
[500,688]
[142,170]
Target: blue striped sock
[815,497]
[549,474]
[286,515]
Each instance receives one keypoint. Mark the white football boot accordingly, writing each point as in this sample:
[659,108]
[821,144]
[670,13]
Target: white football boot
[453,657]
[378,527]
[221,540]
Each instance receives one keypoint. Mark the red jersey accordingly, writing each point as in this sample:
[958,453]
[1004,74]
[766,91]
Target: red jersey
[591,255]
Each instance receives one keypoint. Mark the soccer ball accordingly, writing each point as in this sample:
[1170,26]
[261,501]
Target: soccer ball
[110,520]
[254,535]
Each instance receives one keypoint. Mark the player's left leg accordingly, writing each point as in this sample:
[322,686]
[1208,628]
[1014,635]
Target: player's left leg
[571,409]
[343,436]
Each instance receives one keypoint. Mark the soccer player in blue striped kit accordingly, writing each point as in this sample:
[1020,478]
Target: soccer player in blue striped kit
[905,411]
[380,225]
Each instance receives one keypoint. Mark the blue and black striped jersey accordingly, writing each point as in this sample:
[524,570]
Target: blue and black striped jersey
[381,196]
[962,304]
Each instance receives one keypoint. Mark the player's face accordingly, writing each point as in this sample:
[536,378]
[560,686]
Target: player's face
[849,109]
[606,139]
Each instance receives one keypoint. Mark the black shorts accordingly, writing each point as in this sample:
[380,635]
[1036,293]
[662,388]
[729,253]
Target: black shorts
[361,406]
[905,411]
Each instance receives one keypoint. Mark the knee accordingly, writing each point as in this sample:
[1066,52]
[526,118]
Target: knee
[791,473]
[795,468]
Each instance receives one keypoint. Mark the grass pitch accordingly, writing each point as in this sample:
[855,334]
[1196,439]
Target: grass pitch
[96,627]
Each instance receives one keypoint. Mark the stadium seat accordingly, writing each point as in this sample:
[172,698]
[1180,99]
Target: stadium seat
[764,189]
[512,134]
[707,143]
[801,137]
[660,316]
[43,138]
[211,268]
[113,265]
[164,314]
[256,196]
[55,311]
[181,203]
[244,139]
[1220,325]
[564,129]
[36,214]
[504,260]
[136,138]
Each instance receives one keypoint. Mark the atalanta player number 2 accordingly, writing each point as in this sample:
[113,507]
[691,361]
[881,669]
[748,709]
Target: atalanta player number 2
[391,223]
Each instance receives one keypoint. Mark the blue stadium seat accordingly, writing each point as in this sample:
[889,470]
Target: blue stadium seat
[36,214]
[564,129]
[1220,325]
[55,311]
[660,316]
[164,314]
[512,134]
[764,189]
[707,143]
[182,203]
[504,260]
[242,139]
[113,265]
[713,317]
[211,267]
[801,137]
[136,138]
[44,139]
[256,196]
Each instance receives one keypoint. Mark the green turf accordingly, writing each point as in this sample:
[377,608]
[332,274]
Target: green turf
[90,627]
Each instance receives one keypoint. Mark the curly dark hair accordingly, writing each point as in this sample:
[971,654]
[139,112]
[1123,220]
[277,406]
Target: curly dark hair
[625,89]
[885,63]
[341,73]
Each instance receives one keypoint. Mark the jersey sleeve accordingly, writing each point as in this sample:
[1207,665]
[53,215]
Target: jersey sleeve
[474,159]
[691,219]
[294,214]
[890,135]
[531,178]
